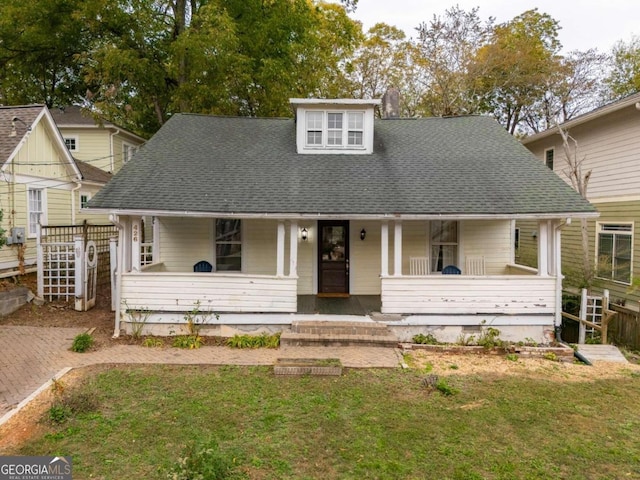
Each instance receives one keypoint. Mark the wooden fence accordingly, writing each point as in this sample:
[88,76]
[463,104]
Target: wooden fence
[624,329]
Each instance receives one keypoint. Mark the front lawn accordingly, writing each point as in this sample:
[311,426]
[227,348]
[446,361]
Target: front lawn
[137,422]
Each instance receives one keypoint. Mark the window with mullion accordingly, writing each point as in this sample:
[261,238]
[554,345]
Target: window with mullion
[615,252]
[355,133]
[444,244]
[228,244]
[314,128]
[334,128]
[35,209]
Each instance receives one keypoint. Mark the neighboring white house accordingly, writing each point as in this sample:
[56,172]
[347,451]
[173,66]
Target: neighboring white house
[336,203]
[608,141]
[39,182]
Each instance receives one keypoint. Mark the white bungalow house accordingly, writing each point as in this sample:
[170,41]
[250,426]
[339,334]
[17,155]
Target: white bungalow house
[298,216]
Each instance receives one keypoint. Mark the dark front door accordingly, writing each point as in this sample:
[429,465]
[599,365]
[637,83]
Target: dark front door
[333,257]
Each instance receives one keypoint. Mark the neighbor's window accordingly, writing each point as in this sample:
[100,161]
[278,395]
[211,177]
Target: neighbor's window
[516,239]
[228,245]
[71,143]
[444,244]
[128,151]
[84,199]
[548,158]
[335,129]
[615,251]
[35,208]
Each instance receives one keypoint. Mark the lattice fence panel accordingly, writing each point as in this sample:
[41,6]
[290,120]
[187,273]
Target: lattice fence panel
[59,270]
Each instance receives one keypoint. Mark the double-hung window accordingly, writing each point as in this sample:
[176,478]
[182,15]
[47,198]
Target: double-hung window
[615,252]
[444,244]
[334,129]
[35,209]
[128,151]
[71,143]
[228,244]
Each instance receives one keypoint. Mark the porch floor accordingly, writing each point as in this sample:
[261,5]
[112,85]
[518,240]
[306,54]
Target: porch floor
[354,305]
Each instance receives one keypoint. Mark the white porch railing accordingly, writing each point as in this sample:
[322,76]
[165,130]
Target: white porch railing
[216,292]
[464,294]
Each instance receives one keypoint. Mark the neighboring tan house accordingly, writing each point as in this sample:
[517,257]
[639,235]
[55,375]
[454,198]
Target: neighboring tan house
[608,140]
[39,182]
[334,203]
[99,143]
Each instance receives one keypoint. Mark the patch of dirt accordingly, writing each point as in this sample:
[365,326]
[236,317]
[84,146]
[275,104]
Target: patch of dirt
[61,314]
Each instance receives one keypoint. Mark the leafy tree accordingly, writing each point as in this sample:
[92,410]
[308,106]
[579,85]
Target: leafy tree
[516,64]
[382,60]
[572,89]
[624,78]
[41,42]
[448,46]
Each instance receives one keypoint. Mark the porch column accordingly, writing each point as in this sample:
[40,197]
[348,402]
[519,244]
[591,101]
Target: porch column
[280,250]
[553,252]
[397,249]
[136,239]
[384,249]
[543,248]
[293,249]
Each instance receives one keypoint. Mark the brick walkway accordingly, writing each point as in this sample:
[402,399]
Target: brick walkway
[31,356]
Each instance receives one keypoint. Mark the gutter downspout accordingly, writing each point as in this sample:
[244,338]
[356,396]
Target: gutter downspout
[73,202]
[112,159]
[119,262]
[557,322]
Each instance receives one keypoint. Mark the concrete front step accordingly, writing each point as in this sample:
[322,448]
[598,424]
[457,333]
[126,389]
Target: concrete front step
[338,334]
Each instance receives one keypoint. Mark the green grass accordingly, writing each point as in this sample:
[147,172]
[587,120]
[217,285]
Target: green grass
[367,424]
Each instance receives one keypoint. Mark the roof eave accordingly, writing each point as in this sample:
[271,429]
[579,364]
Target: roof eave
[350,216]
[587,117]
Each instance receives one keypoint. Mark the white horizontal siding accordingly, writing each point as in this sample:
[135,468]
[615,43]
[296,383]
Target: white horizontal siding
[460,294]
[214,292]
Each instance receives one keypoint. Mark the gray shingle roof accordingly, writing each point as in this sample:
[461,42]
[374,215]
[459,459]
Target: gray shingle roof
[448,166]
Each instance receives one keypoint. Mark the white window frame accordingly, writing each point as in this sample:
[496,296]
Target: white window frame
[613,228]
[34,217]
[232,242]
[128,151]
[433,267]
[329,133]
[74,139]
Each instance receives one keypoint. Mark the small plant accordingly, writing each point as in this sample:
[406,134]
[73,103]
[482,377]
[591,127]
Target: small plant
[67,403]
[444,388]
[153,342]
[138,319]
[512,357]
[466,340]
[254,341]
[57,387]
[82,342]
[550,356]
[489,338]
[203,461]
[453,366]
[188,341]
[408,360]
[423,339]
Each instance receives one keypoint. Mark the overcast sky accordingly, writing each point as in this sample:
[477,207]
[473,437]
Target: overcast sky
[585,23]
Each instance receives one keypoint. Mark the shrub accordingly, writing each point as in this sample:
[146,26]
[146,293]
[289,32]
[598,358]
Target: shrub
[82,343]
[444,388]
[254,341]
[188,341]
[203,460]
[423,339]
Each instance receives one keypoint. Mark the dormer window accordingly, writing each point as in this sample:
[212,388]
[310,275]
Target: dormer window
[334,126]
[335,129]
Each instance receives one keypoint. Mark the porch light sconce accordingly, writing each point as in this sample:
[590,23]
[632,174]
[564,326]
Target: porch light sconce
[363,234]
[534,234]
[304,234]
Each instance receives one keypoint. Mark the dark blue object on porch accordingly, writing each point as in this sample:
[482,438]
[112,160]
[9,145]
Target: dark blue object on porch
[203,266]
[451,270]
